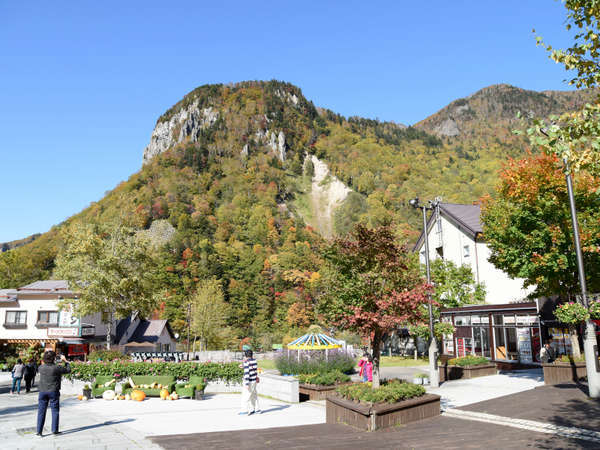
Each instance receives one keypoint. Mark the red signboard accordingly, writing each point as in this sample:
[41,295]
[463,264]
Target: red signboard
[77,349]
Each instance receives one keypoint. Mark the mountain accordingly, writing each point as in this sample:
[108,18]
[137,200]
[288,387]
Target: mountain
[6,246]
[246,179]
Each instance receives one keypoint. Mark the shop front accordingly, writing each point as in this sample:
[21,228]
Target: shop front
[509,333]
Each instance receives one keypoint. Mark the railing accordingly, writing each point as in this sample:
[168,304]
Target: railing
[167,356]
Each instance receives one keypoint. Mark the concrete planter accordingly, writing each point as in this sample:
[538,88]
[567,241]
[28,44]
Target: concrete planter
[317,391]
[457,372]
[560,372]
[383,415]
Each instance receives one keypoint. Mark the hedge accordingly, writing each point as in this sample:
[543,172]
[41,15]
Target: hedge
[324,378]
[315,362]
[227,372]
[469,360]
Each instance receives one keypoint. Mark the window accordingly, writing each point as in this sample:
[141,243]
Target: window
[166,347]
[466,251]
[16,318]
[462,320]
[47,317]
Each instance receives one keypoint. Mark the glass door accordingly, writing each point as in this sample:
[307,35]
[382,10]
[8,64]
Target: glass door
[500,343]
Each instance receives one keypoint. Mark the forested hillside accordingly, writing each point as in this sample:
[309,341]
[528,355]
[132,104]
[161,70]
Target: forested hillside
[227,168]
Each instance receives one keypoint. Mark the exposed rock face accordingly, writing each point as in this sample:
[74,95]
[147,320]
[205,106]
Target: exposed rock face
[186,123]
[159,233]
[278,145]
[447,128]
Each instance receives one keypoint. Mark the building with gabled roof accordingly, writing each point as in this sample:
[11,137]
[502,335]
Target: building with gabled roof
[455,233]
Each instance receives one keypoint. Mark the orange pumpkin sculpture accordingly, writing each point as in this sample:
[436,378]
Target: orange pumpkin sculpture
[138,396]
[164,394]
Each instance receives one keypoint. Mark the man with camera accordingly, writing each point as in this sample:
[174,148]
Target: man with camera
[49,386]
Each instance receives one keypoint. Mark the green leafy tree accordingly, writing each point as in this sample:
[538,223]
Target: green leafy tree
[455,286]
[208,313]
[371,285]
[111,268]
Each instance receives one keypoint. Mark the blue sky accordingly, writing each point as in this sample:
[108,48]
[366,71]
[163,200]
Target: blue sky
[82,83]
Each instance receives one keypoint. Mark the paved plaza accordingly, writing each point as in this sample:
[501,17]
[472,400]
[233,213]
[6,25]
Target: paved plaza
[517,411]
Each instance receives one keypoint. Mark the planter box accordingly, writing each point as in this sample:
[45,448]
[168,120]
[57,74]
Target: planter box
[457,372]
[317,392]
[383,415]
[557,373]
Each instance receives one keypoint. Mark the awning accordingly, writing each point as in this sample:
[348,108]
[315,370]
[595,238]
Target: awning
[313,341]
[30,341]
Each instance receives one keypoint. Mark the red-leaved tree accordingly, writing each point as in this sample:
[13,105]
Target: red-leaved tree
[372,285]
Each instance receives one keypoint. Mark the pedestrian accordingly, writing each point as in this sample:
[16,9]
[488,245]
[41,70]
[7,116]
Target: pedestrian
[249,394]
[30,372]
[17,376]
[366,368]
[547,355]
[49,387]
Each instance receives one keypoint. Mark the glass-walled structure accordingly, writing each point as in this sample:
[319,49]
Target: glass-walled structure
[509,333]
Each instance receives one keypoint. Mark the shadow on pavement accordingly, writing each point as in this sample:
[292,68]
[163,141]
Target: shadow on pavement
[275,408]
[98,425]
[18,409]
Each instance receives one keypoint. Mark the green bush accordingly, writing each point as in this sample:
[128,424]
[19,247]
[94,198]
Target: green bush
[315,363]
[390,392]
[107,355]
[470,360]
[228,372]
[570,358]
[325,378]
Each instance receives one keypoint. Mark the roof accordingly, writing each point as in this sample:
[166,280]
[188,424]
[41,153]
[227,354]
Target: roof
[46,286]
[490,308]
[466,218]
[149,331]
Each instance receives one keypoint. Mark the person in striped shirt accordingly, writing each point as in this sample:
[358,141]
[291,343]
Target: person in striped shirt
[249,395]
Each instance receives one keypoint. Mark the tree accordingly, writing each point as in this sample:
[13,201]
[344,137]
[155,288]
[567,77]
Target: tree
[209,312]
[455,286]
[110,267]
[528,226]
[371,285]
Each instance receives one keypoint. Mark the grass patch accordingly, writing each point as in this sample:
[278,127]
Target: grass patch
[402,361]
[266,364]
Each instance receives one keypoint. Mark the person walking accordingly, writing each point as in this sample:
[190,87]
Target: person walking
[17,376]
[30,372]
[49,387]
[249,394]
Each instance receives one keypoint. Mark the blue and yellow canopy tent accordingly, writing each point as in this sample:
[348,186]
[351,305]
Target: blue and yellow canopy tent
[314,341]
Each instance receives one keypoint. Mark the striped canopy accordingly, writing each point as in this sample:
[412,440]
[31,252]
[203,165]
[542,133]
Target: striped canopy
[314,341]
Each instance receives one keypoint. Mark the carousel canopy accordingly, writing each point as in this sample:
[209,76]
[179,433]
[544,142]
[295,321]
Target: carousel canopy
[314,341]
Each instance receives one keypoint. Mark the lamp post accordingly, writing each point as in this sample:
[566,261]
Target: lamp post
[590,349]
[434,376]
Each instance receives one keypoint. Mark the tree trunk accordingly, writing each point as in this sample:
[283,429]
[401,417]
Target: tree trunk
[108,331]
[376,344]
[574,336]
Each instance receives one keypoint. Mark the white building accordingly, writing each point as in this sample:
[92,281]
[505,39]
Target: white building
[31,315]
[455,234]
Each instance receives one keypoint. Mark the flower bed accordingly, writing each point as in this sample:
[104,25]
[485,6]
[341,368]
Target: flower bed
[227,372]
[392,404]
[564,372]
[319,386]
[311,363]
[466,367]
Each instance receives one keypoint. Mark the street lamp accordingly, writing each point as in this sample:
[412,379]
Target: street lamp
[433,368]
[590,348]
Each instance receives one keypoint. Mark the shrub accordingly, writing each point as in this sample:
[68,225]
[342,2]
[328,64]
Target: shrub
[470,360]
[571,313]
[228,372]
[422,375]
[315,362]
[595,309]
[389,392]
[325,378]
[570,358]
[107,355]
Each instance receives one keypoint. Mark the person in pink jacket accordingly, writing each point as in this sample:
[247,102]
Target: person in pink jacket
[366,368]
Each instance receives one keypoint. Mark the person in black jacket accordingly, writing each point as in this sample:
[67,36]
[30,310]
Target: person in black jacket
[30,372]
[49,387]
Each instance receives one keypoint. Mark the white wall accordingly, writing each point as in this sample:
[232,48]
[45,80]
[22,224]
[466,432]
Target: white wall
[500,288]
[32,307]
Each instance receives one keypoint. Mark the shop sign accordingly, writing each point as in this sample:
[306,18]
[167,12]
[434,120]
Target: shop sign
[66,318]
[63,332]
[524,342]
